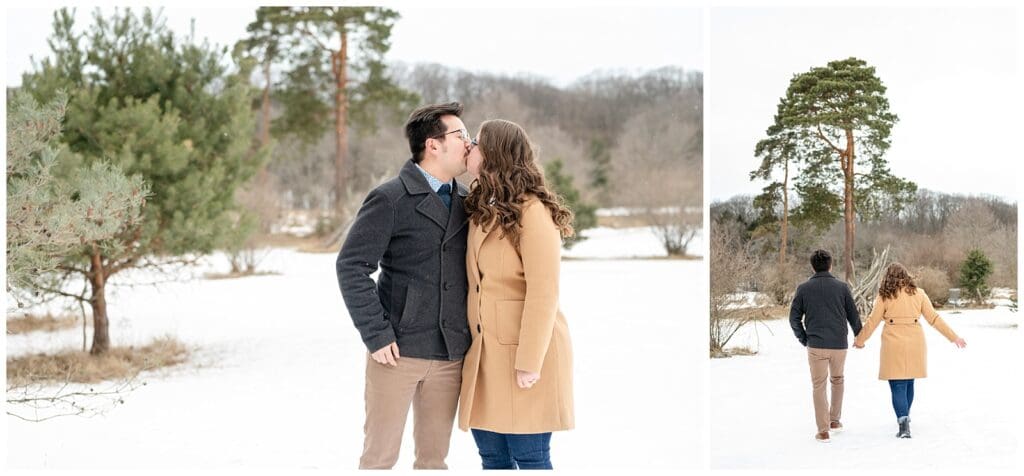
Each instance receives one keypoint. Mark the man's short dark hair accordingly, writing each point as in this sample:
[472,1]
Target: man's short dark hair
[821,260]
[425,123]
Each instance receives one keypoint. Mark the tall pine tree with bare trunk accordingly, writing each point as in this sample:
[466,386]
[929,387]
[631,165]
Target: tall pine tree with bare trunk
[337,76]
[843,107]
[778,151]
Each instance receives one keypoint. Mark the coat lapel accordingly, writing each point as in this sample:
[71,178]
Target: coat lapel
[477,238]
[457,217]
[430,205]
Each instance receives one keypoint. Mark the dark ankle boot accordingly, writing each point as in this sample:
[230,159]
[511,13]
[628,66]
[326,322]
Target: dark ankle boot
[904,431]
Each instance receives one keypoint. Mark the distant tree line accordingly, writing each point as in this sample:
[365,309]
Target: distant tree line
[613,133]
[934,235]
[622,141]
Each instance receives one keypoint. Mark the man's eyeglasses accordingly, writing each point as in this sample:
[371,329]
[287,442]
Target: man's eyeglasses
[462,135]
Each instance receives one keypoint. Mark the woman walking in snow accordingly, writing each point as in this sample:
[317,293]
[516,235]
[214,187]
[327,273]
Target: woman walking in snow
[904,355]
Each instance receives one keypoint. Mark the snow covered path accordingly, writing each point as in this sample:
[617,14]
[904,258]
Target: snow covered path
[964,414]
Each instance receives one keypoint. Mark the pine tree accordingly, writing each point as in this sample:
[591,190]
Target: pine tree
[585,214]
[49,218]
[166,110]
[843,107]
[974,274]
[600,156]
[325,81]
[777,151]
[264,46]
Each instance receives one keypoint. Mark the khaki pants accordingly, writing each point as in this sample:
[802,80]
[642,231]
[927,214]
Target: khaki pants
[826,364]
[432,388]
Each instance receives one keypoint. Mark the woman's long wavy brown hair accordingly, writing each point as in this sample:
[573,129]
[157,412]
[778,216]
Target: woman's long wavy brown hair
[896,278]
[509,174]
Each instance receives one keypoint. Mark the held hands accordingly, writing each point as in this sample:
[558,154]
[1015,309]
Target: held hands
[388,355]
[526,379]
[960,342]
[858,346]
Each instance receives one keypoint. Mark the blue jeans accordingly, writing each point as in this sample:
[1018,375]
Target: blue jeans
[902,396]
[502,451]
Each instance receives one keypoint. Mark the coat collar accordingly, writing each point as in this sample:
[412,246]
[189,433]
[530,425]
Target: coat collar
[822,274]
[479,234]
[416,184]
[414,181]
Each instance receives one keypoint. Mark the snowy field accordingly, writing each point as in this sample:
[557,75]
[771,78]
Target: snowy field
[277,376]
[612,243]
[964,414]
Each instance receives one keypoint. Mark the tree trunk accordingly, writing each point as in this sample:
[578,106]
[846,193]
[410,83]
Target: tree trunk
[785,213]
[848,212]
[340,62]
[265,106]
[98,301]
[262,175]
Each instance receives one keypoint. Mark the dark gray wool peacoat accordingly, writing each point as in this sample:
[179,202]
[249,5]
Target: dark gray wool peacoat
[821,309]
[419,299]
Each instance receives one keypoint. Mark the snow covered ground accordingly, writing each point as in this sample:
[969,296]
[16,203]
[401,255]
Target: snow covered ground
[747,299]
[640,242]
[964,413]
[277,376]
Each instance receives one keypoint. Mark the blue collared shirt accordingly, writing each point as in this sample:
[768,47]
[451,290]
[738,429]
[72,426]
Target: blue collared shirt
[434,182]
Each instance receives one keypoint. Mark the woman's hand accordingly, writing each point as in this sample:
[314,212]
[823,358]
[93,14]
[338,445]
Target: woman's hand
[526,379]
[960,342]
[858,346]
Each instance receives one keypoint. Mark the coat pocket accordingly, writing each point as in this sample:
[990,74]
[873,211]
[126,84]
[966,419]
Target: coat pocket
[410,309]
[510,320]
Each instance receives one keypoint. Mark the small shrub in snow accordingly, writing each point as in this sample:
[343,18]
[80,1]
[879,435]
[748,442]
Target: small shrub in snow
[935,283]
[974,274]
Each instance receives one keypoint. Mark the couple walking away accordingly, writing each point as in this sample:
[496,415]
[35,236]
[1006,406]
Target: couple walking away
[821,310]
[464,313]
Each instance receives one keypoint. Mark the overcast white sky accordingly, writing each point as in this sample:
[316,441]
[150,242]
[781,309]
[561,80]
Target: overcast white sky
[560,44]
[950,75]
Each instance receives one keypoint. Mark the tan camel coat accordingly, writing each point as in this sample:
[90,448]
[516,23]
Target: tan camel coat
[904,354]
[516,324]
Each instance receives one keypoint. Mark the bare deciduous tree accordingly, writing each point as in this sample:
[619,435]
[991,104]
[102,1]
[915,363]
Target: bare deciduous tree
[732,270]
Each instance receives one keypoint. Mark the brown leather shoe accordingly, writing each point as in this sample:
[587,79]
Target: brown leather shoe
[822,437]
[835,426]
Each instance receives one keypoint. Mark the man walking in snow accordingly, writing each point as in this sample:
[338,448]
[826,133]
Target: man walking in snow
[413,319]
[821,309]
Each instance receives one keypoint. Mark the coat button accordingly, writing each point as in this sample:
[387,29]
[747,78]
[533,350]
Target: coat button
[477,288]
[478,328]
[446,286]
[444,248]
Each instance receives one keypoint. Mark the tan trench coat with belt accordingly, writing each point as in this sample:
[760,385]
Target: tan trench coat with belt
[904,354]
[516,324]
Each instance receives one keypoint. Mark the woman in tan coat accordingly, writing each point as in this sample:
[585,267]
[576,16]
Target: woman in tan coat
[900,304]
[517,375]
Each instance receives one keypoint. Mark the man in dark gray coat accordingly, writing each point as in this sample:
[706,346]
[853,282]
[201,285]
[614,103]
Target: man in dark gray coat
[821,310]
[413,318]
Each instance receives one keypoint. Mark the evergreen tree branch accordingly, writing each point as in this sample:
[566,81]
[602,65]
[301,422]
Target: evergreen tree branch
[304,29]
[821,135]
